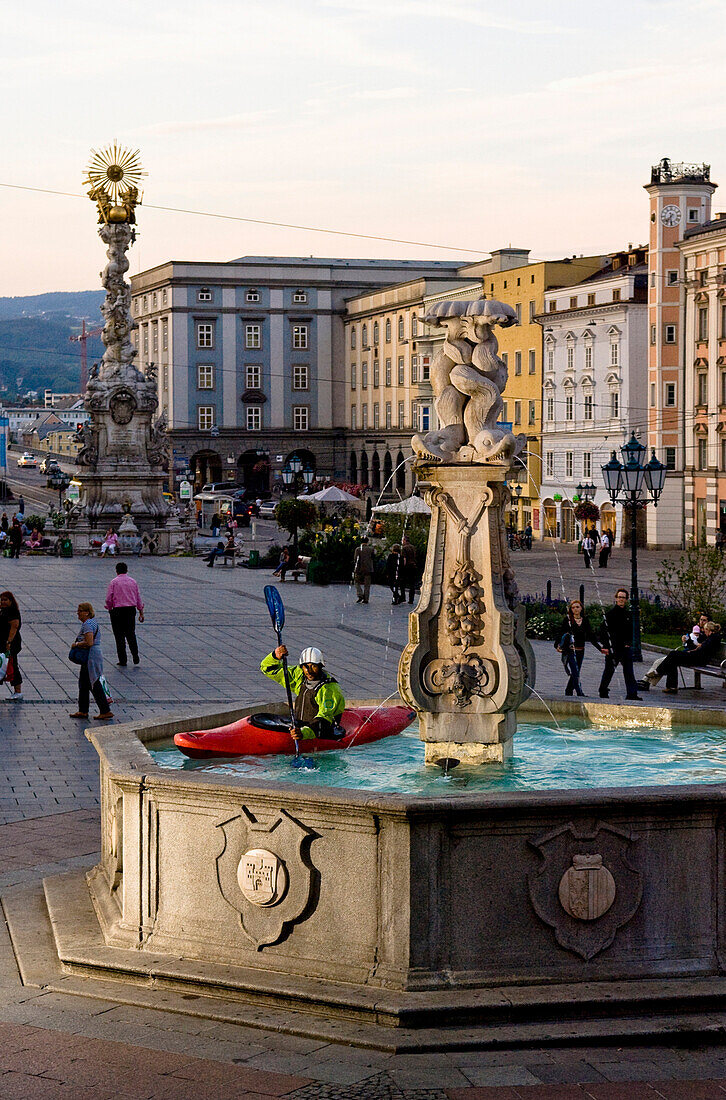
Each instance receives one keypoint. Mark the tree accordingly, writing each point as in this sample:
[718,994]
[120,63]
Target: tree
[291,515]
[695,582]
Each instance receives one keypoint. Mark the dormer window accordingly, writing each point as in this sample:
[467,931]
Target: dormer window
[300,296]
[204,295]
[252,296]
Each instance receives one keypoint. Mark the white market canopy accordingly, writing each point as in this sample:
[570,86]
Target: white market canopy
[332,495]
[411,506]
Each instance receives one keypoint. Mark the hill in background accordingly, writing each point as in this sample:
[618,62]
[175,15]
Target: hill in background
[35,345]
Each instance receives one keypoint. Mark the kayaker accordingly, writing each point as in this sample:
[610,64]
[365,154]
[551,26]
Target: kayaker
[319,701]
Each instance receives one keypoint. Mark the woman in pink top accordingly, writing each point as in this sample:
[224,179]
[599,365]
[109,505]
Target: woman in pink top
[109,543]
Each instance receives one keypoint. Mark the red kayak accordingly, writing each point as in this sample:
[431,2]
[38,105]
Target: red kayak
[269,734]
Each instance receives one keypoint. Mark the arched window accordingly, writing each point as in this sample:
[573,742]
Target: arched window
[364,336]
[353,468]
[387,469]
[376,471]
[400,472]
[376,332]
[364,468]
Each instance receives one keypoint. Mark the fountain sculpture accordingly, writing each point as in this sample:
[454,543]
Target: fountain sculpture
[467,665]
[123,444]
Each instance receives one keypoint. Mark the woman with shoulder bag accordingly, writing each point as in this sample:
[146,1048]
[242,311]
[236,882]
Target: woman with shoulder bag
[577,631]
[10,641]
[86,652]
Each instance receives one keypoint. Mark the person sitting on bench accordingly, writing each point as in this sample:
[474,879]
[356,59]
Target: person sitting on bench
[700,655]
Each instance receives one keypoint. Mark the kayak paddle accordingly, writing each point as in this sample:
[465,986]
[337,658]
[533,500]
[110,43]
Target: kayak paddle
[277,614]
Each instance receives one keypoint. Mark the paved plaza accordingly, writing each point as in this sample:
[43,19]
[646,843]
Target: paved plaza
[204,635]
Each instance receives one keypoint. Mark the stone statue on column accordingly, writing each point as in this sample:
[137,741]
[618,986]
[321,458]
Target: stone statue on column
[467,665]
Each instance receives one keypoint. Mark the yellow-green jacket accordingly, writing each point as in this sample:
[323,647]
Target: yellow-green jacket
[316,710]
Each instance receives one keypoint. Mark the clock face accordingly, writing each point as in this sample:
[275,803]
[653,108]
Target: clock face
[670,215]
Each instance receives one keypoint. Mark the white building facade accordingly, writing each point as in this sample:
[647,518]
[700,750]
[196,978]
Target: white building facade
[594,391]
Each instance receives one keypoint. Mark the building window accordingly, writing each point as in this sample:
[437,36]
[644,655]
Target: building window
[550,359]
[670,458]
[517,412]
[723,322]
[505,413]
[588,356]
[353,417]
[532,310]
[504,356]
[352,376]
[155,337]
[376,374]
[253,336]
[615,354]
[568,463]
[154,300]
[653,334]
[146,303]
[352,336]
[164,335]
[376,332]
[517,362]
[694,215]
[532,361]
[300,376]
[569,407]
[205,376]
[414,415]
[388,372]
[389,415]
[400,370]
[652,395]
[388,330]
[670,395]
[205,336]
[591,299]
[401,328]
[425,368]
[586,464]
[723,387]
[570,357]
[553,307]
[364,417]
[364,336]
[300,418]
[702,278]
[254,418]
[672,278]
[573,303]
[414,325]
[701,388]
[300,336]
[414,368]
[703,323]
[205,418]
[164,297]
[424,418]
[550,408]
[252,296]
[364,375]
[550,464]
[401,414]
[300,296]
[376,415]
[670,334]
[616,294]
[146,341]
[723,456]
[532,414]
[588,406]
[518,311]
[204,295]
[702,455]
[614,404]
[253,377]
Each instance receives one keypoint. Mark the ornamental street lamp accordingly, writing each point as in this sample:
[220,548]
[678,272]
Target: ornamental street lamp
[295,474]
[634,485]
[586,492]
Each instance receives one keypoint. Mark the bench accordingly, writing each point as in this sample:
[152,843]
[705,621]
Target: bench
[718,672]
[46,547]
[300,569]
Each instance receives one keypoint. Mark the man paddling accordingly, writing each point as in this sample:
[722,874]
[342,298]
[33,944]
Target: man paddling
[319,701]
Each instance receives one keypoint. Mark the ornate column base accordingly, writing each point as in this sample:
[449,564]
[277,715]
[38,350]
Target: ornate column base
[472,752]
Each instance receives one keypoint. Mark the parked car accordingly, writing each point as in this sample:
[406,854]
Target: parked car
[28,459]
[268,509]
[219,487]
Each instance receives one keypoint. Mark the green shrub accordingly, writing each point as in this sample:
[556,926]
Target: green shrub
[35,521]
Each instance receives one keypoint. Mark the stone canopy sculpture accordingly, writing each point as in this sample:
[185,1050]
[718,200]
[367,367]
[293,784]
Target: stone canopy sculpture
[468,379]
[467,665]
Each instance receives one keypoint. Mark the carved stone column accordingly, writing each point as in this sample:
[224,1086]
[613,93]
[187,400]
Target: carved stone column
[467,665]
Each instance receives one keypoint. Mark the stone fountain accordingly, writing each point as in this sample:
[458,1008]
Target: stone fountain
[467,665]
[124,443]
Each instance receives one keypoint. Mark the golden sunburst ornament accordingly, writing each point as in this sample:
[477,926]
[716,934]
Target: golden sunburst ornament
[113,177]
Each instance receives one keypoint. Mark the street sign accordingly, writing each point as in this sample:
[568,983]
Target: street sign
[185,491]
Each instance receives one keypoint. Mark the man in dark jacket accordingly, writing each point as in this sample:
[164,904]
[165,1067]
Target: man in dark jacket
[363,570]
[617,640]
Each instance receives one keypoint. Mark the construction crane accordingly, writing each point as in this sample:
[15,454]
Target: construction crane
[82,339]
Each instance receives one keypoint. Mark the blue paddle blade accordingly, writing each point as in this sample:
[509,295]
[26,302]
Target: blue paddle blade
[306,762]
[275,606]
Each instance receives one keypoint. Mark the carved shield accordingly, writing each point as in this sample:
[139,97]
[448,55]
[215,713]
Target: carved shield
[586,888]
[265,874]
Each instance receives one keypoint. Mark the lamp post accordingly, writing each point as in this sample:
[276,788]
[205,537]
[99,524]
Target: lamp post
[634,485]
[295,474]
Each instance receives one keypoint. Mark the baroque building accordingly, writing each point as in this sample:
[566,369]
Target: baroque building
[594,387]
[249,357]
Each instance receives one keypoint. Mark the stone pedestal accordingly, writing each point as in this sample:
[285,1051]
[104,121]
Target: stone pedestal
[467,665]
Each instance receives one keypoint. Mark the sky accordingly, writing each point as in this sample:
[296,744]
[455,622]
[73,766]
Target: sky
[465,124]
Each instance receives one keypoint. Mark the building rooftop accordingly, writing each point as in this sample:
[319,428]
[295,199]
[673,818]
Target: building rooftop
[322,261]
[716,224]
[666,171]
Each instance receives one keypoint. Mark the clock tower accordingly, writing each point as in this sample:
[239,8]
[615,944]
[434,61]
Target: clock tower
[680,199]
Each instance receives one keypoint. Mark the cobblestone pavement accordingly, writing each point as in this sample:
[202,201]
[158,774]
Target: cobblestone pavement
[205,633]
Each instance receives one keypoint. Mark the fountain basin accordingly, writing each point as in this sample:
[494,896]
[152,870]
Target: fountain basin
[465,911]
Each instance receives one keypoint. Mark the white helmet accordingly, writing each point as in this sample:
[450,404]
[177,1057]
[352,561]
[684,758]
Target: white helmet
[311,656]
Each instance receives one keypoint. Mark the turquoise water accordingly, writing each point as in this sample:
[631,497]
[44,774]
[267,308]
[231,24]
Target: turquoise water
[544,758]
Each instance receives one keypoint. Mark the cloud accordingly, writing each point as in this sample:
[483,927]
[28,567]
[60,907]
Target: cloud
[251,120]
[462,13]
[386,93]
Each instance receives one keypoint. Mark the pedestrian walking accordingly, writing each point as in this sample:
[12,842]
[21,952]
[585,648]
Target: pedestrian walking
[15,538]
[617,640]
[363,566]
[11,642]
[576,632]
[528,537]
[123,600]
[410,574]
[605,547]
[214,523]
[90,665]
[588,549]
